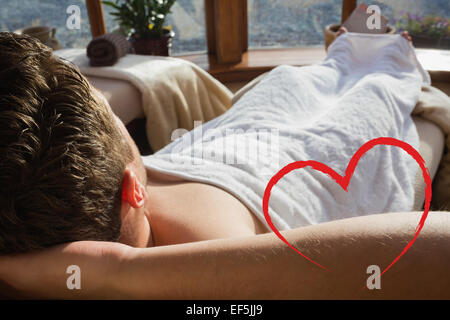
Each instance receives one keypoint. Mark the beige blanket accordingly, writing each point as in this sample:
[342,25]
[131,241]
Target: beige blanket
[434,105]
[175,92]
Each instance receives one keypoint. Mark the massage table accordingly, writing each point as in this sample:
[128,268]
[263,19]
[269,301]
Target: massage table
[123,97]
[125,100]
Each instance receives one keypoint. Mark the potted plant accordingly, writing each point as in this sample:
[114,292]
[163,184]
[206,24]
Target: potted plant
[144,21]
[426,32]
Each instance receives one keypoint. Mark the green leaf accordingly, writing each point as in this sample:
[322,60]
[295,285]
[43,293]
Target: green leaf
[138,14]
[111,4]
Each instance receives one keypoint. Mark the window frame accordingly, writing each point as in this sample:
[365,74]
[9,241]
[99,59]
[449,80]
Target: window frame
[96,17]
[226,26]
[228,58]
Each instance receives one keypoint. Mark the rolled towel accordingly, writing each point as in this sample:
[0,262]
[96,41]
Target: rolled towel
[107,49]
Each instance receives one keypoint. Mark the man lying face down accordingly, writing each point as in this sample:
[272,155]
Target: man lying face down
[69,168]
[63,152]
[71,171]
[72,176]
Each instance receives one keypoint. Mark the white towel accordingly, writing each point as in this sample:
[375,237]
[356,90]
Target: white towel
[365,89]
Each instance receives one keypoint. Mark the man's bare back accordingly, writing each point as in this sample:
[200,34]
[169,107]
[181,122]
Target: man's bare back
[184,211]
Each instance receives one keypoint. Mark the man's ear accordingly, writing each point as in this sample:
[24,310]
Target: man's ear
[133,191]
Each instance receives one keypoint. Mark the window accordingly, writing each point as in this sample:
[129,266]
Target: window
[16,15]
[300,23]
[20,14]
[271,23]
[290,23]
[187,20]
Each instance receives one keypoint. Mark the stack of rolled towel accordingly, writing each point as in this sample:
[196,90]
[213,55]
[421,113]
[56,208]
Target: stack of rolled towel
[107,49]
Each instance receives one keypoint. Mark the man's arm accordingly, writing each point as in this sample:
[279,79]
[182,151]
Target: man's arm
[263,267]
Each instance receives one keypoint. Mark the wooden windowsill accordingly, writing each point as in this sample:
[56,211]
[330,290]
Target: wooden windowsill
[257,61]
[436,62]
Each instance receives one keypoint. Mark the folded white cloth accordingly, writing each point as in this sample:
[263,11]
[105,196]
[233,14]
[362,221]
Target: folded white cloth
[365,89]
[175,92]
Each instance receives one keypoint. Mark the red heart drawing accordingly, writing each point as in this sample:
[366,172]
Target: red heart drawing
[344,181]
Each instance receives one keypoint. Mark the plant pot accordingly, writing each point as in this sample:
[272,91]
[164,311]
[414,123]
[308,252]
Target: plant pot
[422,41]
[331,30]
[44,34]
[153,47]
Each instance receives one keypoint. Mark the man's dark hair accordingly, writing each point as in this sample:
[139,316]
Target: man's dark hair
[62,155]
